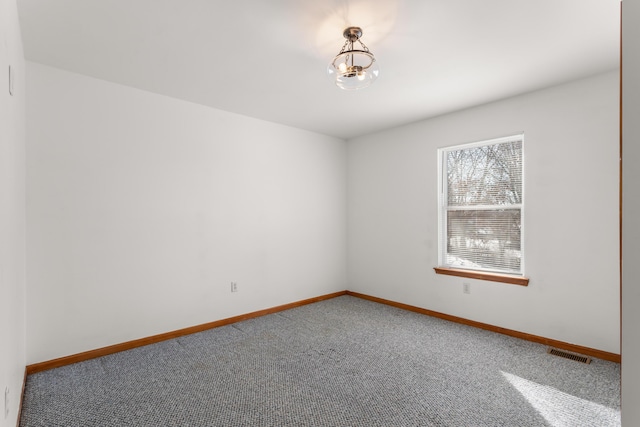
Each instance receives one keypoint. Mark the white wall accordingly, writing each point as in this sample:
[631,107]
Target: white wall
[12,213]
[630,213]
[142,209]
[571,214]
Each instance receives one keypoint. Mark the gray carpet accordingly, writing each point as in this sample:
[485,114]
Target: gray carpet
[340,362]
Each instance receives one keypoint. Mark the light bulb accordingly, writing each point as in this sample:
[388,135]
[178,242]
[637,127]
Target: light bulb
[342,67]
[361,75]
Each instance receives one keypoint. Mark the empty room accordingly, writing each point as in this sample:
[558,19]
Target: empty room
[334,213]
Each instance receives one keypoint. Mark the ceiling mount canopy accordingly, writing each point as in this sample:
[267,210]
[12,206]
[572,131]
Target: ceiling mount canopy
[353,68]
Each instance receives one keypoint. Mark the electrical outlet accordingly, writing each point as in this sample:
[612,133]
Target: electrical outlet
[466,287]
[6,402]
[234,287]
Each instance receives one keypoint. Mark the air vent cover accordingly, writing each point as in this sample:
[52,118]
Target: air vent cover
[566,355]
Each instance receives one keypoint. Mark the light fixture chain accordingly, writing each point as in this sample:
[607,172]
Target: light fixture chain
[366,49]
[344,47]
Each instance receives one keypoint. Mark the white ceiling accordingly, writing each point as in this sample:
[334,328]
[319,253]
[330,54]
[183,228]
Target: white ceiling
[267,58]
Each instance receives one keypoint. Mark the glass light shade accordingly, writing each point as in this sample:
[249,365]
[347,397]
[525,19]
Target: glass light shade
[353,69]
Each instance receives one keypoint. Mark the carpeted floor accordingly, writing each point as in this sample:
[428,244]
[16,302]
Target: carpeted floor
[339,362]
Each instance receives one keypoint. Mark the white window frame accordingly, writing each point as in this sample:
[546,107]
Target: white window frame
[443,208]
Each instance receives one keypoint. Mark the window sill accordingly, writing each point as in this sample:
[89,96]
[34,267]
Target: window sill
[481,275]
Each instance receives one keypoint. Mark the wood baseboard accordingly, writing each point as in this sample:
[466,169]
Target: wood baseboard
[612,357]
[92,354]
[116,348]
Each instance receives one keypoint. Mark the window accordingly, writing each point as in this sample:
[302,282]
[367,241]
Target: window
[481,205]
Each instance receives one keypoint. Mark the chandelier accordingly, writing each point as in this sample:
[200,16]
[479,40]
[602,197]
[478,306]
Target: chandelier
[353,68]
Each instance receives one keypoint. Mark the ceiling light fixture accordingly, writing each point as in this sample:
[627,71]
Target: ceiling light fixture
[353,68]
